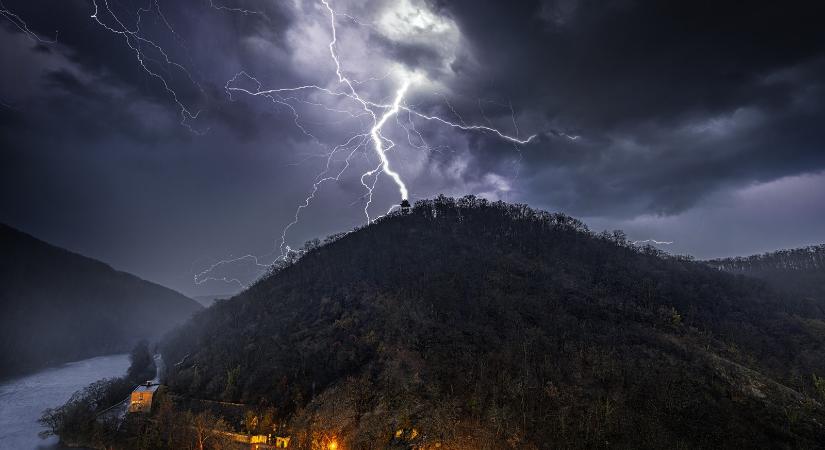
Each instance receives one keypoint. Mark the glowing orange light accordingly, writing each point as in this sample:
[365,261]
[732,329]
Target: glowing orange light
[332,445]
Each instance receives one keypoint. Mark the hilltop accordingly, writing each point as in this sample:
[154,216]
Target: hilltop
[470,324]
[58,306]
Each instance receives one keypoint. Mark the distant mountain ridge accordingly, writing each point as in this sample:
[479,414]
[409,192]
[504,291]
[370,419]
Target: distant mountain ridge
[796,274]
[471,324]
[810,258]
[58,306]
[208,300]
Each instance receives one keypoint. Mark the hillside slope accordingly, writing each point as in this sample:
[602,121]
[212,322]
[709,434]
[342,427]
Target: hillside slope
[58,306]
[798,275]
[466,324]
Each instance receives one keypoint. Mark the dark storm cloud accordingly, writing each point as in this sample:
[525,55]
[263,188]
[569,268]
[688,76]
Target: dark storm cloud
[93,151]
[619,61]
[648,114]
[210,57]
[634,77]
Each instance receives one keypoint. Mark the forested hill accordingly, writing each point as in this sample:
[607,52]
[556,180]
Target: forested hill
[58,306]
[797,274]
[469,324]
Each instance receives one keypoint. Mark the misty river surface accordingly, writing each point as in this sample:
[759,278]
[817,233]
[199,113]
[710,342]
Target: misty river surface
[23,399]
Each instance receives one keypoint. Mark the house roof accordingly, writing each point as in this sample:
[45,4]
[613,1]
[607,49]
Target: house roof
[145,388]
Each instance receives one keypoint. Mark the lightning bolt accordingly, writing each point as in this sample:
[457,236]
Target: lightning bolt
[375,132]
[373,117]
[21,25]
[246,12]
[378,143]
[652,241]
[378,113]
[135,41]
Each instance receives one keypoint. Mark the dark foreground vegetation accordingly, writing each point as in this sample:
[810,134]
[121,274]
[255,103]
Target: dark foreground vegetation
[469,324]
[96,416]
[83,420]
[57,306]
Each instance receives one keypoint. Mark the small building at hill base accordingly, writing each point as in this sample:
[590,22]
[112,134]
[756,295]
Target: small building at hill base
[141,398]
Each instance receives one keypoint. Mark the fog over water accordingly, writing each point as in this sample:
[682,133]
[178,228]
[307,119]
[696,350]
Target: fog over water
[22,400]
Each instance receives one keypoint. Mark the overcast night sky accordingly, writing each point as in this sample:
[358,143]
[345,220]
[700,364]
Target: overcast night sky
[697,122]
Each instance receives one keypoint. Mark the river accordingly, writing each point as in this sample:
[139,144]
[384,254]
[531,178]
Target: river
[22,400]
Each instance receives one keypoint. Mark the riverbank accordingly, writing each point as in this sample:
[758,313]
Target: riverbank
[23,399]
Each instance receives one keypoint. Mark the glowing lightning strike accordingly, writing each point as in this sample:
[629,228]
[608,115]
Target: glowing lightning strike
[375,132]
[380,143]
[377,139]
[243,11]
[372,116]
[652,241]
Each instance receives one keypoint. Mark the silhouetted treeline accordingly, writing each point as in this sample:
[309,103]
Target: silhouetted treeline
[475,324]
[811,258]
[798,275]
[57,306]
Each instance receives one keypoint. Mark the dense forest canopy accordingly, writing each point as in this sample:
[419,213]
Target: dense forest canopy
[58,306]
[468,323]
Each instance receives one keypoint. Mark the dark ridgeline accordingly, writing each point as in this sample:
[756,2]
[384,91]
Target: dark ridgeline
[798,275]
[58,306]
[487,325]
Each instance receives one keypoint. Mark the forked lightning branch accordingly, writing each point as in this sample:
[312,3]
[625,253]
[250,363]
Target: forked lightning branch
[372,137]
